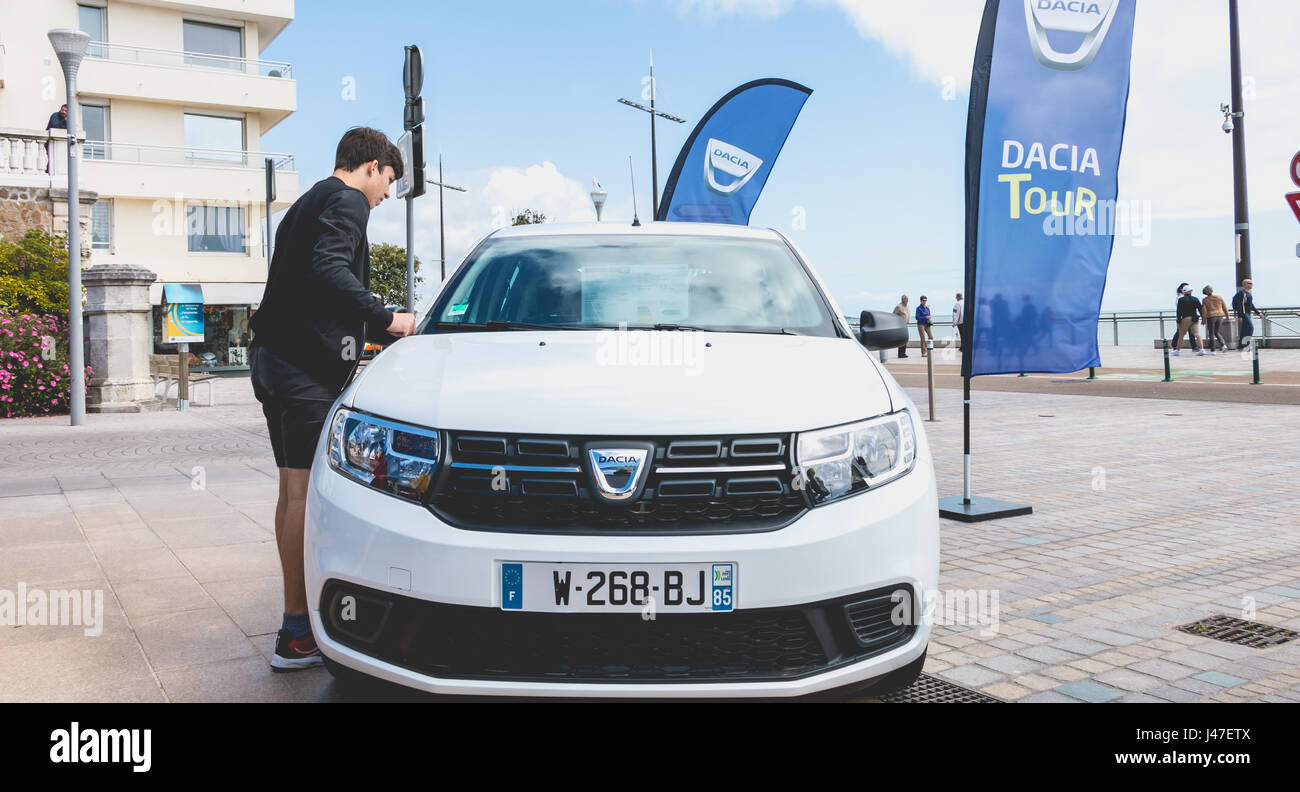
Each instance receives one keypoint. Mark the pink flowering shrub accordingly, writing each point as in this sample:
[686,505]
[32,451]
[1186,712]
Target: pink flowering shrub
[34,377]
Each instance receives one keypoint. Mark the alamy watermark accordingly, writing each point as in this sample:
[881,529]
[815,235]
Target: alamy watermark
[1127,218]
[949,608]
[664,348]
[35,607]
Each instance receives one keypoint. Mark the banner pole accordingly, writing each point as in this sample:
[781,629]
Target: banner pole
[965,441]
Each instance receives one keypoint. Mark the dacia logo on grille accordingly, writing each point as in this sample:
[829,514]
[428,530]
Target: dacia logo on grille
[617,471]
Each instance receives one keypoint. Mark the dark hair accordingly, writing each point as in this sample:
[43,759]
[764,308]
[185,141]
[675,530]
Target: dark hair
[1181,286]
[360,145]
[923,297]
[1207,291]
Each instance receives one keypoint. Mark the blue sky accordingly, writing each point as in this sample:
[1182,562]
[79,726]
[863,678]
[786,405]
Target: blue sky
[521,100]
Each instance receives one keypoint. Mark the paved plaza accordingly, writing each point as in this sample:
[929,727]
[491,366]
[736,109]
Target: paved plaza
[1148,514]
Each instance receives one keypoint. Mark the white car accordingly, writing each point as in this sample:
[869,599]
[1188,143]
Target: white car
[626,461]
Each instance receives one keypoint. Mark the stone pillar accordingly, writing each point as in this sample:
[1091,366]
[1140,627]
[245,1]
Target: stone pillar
[119,337]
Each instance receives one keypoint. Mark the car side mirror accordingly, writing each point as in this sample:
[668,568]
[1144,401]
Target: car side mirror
[881,330]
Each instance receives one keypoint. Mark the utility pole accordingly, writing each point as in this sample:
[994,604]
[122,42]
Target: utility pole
[1237,120]
[654,156]
[442,236]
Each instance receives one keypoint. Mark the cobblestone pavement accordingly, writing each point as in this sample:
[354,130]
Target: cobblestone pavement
[1148,514]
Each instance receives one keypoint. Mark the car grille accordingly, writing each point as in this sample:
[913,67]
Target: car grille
[464,642]
[695,484]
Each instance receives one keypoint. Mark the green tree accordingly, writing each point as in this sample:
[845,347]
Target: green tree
[528,217]
[34,273]
[388,273]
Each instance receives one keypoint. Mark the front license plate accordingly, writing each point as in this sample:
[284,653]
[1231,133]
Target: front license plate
[618,588]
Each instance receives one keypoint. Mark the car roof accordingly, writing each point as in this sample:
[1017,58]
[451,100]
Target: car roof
[609,228]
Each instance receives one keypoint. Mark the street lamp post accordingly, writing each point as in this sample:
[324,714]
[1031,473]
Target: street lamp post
[598,197]
[70,47]
[442,237]
[654,155]
[1235,122]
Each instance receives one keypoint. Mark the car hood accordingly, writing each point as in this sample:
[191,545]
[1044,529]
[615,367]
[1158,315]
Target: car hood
[622,383]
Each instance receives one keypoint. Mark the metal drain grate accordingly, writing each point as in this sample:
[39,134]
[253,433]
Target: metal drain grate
[933,690]
[1240,631]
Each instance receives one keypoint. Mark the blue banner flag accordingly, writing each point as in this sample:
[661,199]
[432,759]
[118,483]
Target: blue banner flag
[724,164]
[1049,93]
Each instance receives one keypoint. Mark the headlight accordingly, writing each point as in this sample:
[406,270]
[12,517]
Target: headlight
[389,456]
[845,459]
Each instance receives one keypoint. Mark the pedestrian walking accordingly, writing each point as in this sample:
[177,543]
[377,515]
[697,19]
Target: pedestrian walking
[315,316]
[1214,313]
[1189,317]
[901,310]
[923,327]
[958,315]
[1243,307]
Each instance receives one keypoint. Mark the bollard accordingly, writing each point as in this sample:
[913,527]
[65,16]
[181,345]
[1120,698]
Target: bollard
[929,373]
[1167,377]
[1254,357]
[1092,373]
[183,379]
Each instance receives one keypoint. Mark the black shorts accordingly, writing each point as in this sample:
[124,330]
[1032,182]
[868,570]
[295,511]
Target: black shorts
[296,407]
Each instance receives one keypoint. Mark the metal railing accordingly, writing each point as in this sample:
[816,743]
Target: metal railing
[153,56]
[1140,328]
[181,155]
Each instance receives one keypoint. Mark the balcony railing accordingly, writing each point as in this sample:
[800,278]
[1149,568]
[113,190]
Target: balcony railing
[33,154]
[180,155]
[181,59]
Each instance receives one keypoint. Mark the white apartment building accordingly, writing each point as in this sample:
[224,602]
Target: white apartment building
[174,99]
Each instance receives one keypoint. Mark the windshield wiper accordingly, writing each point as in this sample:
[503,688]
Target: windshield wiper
[675,326]
[499,324]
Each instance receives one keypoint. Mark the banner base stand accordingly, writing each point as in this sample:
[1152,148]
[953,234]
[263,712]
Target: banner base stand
[979,509]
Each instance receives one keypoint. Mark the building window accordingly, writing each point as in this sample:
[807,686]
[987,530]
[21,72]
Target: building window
[214,138]
[91,20]
[213,46]
[94,120]
[101,226]
[215,229]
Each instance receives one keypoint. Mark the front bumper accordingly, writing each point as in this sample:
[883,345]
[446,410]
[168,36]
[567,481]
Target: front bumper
[831,556]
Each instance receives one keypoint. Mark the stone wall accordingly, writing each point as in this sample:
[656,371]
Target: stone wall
[22,208]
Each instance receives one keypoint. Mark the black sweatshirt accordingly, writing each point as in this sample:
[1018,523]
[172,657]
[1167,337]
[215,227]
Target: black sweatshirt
[1189,306]
[318,289]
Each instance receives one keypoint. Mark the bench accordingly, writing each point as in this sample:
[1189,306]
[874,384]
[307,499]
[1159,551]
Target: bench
[165,370]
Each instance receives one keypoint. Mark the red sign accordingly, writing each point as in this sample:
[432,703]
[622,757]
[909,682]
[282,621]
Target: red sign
[1293,198]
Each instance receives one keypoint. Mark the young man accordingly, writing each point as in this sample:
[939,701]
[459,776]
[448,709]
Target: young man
[313,322]
[1243,307]
[923,328]
[1189,315]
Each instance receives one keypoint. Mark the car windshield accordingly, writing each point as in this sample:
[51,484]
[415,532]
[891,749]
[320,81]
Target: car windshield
[665,282]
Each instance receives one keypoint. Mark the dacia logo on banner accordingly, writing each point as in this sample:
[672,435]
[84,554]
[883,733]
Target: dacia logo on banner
[1092,18]
[731,160]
